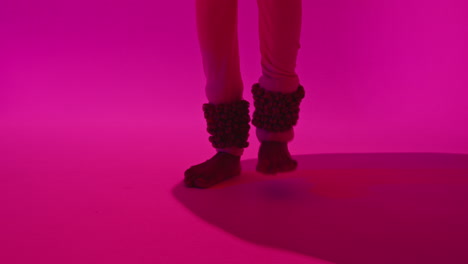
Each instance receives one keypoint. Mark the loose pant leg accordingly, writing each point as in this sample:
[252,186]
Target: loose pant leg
[218,39]
[279,31]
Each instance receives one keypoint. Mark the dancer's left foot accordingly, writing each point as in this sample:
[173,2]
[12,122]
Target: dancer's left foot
[274,157]
[220,167]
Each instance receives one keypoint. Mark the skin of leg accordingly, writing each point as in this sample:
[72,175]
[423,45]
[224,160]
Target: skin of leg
[279,31]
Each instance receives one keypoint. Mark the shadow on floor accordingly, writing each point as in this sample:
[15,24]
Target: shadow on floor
[369,208]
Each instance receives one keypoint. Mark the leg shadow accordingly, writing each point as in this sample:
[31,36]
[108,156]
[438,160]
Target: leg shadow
[364,208]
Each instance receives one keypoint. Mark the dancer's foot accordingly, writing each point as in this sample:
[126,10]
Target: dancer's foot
[274,157]
[220,167]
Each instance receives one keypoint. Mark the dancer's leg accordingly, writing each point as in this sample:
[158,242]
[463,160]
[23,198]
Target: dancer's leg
[226,113]
[218,39]
[217,35]
[279,29]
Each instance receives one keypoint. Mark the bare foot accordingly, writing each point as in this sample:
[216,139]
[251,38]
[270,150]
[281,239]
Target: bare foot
[220,167]
[274,157]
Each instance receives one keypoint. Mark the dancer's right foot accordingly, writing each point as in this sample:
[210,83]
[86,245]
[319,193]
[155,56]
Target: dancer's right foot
[274,157]
[220,167]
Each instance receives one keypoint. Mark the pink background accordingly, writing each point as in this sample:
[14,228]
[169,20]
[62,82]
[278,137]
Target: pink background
[102,96]
[380,75]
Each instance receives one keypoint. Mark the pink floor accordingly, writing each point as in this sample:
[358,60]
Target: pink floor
[100,114]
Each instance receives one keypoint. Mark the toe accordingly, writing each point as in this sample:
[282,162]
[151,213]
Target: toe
[207,181]
[266,167]
[273,167]
[191,174]
[289,165]
[201,182]
[262,166]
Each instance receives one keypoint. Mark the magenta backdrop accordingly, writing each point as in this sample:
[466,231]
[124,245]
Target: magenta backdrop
[380,75]
[96,95]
